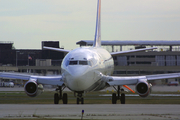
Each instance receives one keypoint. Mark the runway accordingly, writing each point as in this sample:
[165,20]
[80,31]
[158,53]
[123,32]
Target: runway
[92,111]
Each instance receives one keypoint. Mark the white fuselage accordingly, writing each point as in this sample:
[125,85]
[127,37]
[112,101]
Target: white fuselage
[83,68]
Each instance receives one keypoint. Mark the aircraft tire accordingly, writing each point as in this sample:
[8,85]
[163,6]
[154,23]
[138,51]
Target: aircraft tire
[122,98]
[56,98]
[114,99]
[82,100]
[77,100]
[65,98]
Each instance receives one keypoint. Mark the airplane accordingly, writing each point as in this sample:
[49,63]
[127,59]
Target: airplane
[87,69]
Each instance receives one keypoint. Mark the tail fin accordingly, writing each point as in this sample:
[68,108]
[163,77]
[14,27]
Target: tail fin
[97,39]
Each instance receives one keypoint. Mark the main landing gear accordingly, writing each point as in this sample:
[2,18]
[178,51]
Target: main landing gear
[118,97]
[59,96]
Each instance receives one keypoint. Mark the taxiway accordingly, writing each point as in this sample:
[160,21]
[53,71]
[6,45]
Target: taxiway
[93,111]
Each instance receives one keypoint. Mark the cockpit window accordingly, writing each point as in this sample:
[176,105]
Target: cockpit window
[80,62]
[83,62]
[73,62]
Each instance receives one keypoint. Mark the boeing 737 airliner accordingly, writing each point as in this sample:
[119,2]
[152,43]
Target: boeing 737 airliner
[87,69]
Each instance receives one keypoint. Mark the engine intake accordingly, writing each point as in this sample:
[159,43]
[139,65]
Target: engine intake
[143,88]
[32,89]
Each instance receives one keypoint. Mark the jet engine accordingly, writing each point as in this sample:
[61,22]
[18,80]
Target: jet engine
[143,88]
[32,89]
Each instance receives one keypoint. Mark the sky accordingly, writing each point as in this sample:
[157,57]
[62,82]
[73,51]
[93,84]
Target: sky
[28,22]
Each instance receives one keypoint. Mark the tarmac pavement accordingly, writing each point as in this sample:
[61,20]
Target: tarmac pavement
[93,111]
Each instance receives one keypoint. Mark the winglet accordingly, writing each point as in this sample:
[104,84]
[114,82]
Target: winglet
[97,39]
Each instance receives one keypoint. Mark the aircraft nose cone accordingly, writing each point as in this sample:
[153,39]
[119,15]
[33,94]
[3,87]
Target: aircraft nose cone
[77,71]
[77,77]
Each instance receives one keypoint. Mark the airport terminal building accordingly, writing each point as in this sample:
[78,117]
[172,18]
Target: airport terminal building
[164,59]
[30,60]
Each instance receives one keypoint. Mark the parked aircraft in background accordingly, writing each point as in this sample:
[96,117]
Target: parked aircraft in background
[87,69]
[6,84]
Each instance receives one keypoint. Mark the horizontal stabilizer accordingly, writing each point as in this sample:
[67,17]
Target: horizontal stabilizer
[56,49]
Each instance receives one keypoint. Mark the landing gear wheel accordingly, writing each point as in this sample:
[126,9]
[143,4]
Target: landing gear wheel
[122,98]
[59,96]
[65,98]
[80,98]
[119,96]
[114,99]
[56,98]
[77,100]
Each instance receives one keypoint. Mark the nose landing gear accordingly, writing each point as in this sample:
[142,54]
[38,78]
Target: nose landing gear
[80,98]
[64,96]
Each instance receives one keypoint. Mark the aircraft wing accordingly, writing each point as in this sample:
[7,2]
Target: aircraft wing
[56,49]
[163,76]
[116,81]
[131,51]
[46,80]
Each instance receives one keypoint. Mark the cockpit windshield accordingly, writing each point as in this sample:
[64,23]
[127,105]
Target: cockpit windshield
[83,62]
[78,62]
[73,62]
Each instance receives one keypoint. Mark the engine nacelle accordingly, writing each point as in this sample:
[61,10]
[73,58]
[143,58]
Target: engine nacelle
[32,89]
[143,88]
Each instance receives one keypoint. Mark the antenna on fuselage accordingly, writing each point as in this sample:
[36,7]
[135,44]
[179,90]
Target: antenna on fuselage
[97,39]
